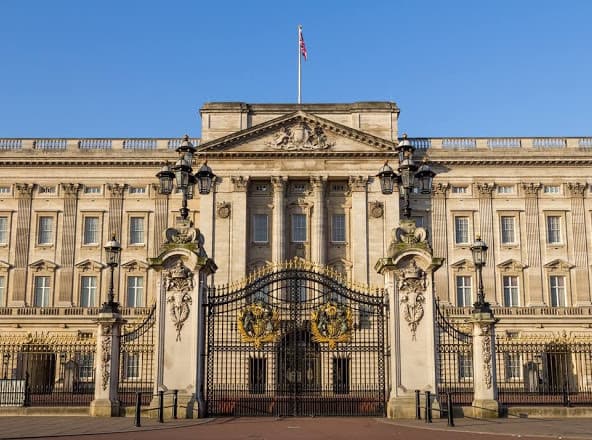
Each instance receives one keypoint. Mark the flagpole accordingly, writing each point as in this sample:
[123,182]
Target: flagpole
[299,64]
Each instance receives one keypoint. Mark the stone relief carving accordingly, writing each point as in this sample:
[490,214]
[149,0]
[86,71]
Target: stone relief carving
[531,189]
[411,282]
[239,183]
[24,190]
[116,189]
[408,235]
[486,349]
[485,189]
[223,209]
[301,137]
[576,189]
[358,183]
[105,355]
[178,283]
[331,323]
[71,189]
[184,233]
[376,209]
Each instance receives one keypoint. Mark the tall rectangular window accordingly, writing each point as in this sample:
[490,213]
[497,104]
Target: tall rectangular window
[465,366]
[299,228]
[338,228]
[131,365]
[91,230]
[135,291]
[42,292]
[513,366]
[508,231]
[340,375]
[464,290]
[86,365]
[136,230]
[557,289]
[553,229]
[461,230]
[88,291]
[260,228]
[45,230]
[3,230]
[2,291]
[511,291]
[257,375]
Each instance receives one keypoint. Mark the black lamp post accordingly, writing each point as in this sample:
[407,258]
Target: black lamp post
[479,251]
[409,175]
[112,249]
[182,173]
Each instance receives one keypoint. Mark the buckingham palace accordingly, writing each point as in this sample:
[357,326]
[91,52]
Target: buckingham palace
[296,259]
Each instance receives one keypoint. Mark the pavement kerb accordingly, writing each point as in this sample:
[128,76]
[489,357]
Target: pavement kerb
[466,431]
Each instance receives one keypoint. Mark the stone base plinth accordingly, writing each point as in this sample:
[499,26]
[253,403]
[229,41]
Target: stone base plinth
[187,407]
[484,409]
[104,408]
[404,407]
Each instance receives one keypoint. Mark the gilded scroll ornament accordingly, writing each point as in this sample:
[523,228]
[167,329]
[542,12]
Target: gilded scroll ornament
[258,323]
[332,323]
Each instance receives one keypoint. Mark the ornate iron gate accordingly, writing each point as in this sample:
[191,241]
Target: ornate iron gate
[454,361]
[136,363]
[295,340]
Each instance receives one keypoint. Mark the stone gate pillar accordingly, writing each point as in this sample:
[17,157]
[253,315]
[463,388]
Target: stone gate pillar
[183,268]
[485,400]
[408,270]
[106,401]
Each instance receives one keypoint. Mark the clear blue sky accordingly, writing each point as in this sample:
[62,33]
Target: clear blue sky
[143,68]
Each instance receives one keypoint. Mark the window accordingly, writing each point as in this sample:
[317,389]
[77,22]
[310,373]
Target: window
[45,230]
[42,290]
[257,375]
[505,189]
[338,228]
[4,189]
[261,188]
[260,228]
[86,365]
[459,190]
[131,364]
[2,291]
[557,289]
[92,190]
[340,375]
[91,230]
[464,291]
[135,291]
[3,230]
[299,188]
[511,290]
[465,366]
[553,229]
[299,228]
[461,230]
[551,189]
[136,230]
[513,365]
[47,189]
[88,291]
[137,190]
[508,229]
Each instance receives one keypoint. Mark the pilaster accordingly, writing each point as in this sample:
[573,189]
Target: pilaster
[576,191]
[116,192]
[533,245]
[66,292]
[440,239]
[239,235]
[485,399]
[278,250]
[359,227]
[318,242]
[485,191]
[24,195]
[161,217]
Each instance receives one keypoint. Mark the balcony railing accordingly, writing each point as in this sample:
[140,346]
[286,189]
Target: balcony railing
[68,311]
[523,311]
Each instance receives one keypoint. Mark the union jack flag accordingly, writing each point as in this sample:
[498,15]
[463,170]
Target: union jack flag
[302,45]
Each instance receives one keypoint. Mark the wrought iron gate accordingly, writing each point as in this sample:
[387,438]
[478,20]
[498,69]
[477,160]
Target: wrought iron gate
[136,363]
[454,361]
[295,340]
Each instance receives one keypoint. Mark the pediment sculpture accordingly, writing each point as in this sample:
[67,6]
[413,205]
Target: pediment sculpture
[301,137]
[178,283]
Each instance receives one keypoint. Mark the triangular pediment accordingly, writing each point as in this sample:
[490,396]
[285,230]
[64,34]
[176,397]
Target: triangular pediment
[89,265]
[511,265]
[298,132]
[135,266]
[559,265]
[43,266]
[463,265]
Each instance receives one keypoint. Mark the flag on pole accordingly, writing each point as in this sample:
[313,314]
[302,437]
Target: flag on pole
[302,45]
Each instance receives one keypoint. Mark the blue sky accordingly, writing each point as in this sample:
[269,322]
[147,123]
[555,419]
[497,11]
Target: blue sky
[143,68]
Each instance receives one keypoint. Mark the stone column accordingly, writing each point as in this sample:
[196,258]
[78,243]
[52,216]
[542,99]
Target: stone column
[278,250]
[239,235]
[485,403]
[485,190]
[161,218]
[576,193]
[116,192]
[440,239]
[533,246]
[106,401]
[207,210]
[318,239]
[66,293]
[24,194]
[359,227]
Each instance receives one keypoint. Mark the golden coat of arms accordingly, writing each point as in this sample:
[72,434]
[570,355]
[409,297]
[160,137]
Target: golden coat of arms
[258,323]
[332,323]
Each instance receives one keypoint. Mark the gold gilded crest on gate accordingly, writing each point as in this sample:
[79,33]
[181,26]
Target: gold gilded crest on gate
[332,323]
[258,323]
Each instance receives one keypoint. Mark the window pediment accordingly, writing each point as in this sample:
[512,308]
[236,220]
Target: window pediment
[135,266]
[463,265]
[43,266]
[89,265]
[4,266]
[511,265]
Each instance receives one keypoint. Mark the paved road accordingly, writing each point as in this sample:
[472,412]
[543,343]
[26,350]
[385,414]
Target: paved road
[291,429]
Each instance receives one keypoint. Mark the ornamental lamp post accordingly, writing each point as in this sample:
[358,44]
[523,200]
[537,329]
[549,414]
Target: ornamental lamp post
[409,175]
[182,173]
[479,251]
[112,249]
